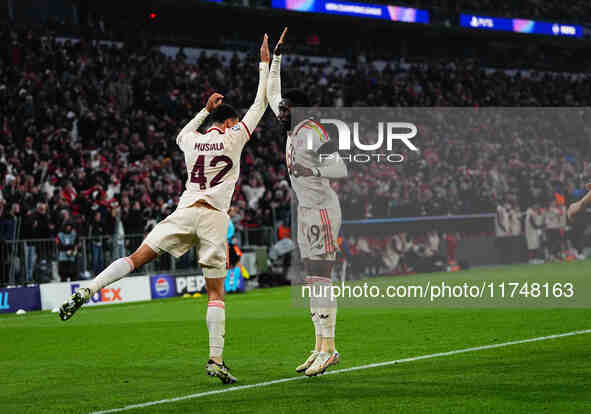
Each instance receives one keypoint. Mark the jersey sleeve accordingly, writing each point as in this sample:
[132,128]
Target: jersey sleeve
[239,134]
[259,106]
[274,85]
[312,136]
[319,151]
[189,130]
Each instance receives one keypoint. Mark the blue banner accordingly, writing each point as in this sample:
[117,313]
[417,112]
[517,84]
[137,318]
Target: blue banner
[162,286]
[13,299]
[520,25]
[345,8]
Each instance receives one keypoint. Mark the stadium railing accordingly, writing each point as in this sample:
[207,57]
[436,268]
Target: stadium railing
[259,236]
[35,261]
[457,223]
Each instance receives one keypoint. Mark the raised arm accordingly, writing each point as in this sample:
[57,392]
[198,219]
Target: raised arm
[213,102]
[258,108]
[274,84]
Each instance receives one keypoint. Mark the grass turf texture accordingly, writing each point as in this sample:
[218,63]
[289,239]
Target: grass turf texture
[110,357]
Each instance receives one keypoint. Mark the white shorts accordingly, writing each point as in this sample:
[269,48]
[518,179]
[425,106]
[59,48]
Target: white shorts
[318,230]
[205,228]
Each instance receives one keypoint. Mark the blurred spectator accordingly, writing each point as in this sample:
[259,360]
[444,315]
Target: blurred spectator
[555,221]
[97,233]
[78,131]
[514,218]
[35,226]
[534,224]
[8,220]
[67,245]
[283,232]
[253,191]
[134,222]
[116,229]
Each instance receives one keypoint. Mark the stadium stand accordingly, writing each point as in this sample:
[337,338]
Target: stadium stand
[87,135]
[575,10]
[89,128]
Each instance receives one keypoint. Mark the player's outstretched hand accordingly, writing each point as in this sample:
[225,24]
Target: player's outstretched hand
[301,171]
[214,101]
[265,55]
[278,47]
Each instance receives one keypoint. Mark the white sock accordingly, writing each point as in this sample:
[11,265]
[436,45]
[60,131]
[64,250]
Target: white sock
[316,301]
[327,321]
[323,307]
[115,271]
[216,325]
[314,314]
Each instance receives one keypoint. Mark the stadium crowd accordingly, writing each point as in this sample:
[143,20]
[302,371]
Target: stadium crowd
[87,136]
[575,10]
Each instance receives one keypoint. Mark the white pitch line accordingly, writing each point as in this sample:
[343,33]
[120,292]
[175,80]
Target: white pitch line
[340,371]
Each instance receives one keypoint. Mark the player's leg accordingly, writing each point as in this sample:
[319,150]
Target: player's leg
[216,315]
[212,228]
[554,243]
[315,308]
[122,267]
[114,272]
[309,238]
[533,245]
[318,251]
[174,235]
[319,265]
[325,309]
[216,324]
[319,281]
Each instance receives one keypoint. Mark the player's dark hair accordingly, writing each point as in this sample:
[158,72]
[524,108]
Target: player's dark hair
[296,97]
[223,112]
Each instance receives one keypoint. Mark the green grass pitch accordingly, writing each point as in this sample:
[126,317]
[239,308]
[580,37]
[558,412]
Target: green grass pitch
[115,356]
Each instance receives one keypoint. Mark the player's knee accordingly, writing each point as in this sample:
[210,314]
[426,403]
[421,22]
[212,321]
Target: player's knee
[216,293]
[142,255]
[214,282]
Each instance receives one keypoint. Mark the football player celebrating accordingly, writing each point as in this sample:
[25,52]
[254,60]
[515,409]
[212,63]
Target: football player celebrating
[319,211]
[201,218]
